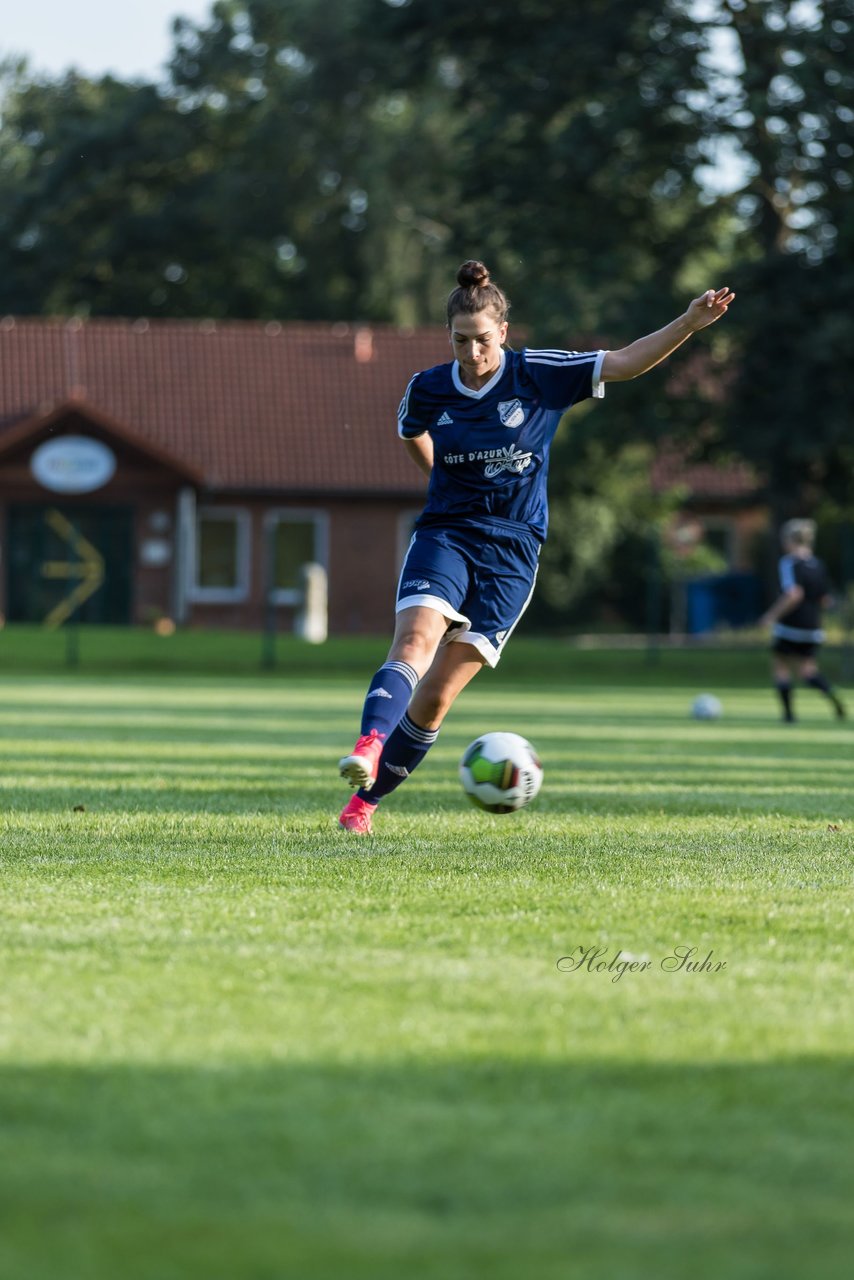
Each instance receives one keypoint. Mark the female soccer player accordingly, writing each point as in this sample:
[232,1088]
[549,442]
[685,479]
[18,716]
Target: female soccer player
[795,616]
[481,427]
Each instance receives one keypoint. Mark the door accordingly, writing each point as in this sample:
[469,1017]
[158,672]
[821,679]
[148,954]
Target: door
[69,562]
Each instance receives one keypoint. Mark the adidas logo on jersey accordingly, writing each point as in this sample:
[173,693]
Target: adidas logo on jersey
[446,420]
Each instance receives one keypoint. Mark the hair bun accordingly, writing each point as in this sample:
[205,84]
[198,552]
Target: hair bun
[476,292]
[473,275]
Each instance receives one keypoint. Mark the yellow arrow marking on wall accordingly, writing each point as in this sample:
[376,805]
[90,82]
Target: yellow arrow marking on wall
[88,567]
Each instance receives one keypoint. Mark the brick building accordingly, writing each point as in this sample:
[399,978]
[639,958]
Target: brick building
[190,469]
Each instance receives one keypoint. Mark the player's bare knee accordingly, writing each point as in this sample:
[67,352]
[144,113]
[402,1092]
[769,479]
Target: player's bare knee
[414,647]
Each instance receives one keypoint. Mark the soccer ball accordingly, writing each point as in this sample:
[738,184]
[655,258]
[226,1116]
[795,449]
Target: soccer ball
[706,707]
[500,772]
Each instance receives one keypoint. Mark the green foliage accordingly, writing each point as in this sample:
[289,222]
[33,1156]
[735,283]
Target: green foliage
[247,187]
[788,110]
[577,146]
[110,200]
[601,505]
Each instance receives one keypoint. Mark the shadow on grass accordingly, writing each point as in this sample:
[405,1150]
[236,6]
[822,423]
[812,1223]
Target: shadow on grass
[466,1169]
[271,796]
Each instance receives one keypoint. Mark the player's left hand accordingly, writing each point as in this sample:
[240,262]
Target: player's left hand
[709,307]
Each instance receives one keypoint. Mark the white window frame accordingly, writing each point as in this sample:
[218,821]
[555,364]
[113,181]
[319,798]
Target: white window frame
[296,515]
[242,519]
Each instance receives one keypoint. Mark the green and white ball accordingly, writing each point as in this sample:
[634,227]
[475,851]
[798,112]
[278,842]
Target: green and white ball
[500,772]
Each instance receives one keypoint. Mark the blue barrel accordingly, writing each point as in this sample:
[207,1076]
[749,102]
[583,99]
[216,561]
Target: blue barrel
[724,599]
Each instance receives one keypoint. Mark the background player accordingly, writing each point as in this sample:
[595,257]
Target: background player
[481,428]
[795,616]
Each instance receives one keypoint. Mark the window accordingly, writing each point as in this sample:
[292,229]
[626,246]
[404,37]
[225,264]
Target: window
[222,555]
[294,538]
[719,535]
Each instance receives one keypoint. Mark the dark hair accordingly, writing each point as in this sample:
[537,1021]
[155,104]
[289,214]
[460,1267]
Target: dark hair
[476,292]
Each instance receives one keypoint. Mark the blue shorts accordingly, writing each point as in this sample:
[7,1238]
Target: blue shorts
[481,578]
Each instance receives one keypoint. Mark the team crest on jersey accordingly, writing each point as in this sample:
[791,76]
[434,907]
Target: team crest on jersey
[511,413]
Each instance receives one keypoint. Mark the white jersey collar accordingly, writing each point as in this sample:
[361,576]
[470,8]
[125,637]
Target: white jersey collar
[488,386]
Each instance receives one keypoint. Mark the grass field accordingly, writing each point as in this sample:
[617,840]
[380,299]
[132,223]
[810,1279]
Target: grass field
[235,1045]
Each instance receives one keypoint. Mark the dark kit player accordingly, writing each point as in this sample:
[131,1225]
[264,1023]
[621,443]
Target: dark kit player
[795,616]
[481,427]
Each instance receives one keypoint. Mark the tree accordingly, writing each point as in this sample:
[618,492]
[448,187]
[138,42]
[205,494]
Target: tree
[788,112]
[107,201]
[329,154]
[576,144]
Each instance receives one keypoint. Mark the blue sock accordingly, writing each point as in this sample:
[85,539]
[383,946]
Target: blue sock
[405,748]
[784,689]
[820,682]
[388,697]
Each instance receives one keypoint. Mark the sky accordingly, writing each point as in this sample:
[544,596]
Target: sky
[130,38]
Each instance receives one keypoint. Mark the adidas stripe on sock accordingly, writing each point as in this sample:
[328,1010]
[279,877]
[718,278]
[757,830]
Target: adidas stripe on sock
[388,697]
[405,748]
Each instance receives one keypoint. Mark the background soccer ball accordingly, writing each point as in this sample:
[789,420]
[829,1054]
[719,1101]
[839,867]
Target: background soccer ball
[706,707]
[500,772]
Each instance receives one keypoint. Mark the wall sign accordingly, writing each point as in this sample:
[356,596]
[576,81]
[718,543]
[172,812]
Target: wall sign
[73,464]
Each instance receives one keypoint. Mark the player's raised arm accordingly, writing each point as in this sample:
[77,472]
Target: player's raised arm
[646,353]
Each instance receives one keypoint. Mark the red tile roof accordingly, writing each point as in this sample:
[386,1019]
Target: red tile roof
[671,469]
[308,407]
[254,406]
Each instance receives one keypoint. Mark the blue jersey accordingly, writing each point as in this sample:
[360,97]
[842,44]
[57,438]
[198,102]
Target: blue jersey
[491,447]
[803,623]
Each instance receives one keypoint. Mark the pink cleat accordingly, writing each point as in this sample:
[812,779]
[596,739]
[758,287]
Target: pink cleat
[360,767]
[356,817]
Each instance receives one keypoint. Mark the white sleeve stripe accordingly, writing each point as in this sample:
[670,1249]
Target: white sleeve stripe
[598,389]
[565,363]
[403,410]
[555,351]
[404,404]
